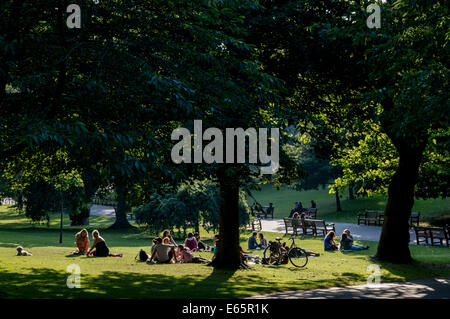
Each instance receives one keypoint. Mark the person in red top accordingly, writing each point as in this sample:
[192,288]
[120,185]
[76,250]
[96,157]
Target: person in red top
[191,243]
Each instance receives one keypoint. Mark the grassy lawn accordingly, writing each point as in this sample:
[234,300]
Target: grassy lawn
[11,219]
[284,199]
[44,274]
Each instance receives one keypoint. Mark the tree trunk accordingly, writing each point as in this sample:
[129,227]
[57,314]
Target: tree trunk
[351,196]
[197,223]
[338,201]
[394,240]
[228,255]
[121,210]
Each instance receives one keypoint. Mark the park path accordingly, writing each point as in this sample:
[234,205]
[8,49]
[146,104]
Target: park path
[359,232]
[429,288]
[103,211]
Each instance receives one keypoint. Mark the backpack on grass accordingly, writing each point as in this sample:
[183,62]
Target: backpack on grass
[143,256]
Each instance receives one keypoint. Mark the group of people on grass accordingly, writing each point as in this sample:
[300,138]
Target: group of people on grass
[166,250]
[346,242]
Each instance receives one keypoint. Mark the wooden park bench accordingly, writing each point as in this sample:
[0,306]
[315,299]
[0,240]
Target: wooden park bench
[371,216]
[321,226]
[311,213]
[314,226]
[414,219]
[292,225]
[436,235]
[255,225]
[266,211]
[288,225]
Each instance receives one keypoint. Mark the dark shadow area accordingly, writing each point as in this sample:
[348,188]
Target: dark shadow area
[49,283]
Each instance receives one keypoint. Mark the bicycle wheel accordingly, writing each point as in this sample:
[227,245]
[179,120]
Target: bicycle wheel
[271,257]
[298,257]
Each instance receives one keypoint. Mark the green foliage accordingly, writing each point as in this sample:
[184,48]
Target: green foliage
[190,205]
[39,199]
[371,163]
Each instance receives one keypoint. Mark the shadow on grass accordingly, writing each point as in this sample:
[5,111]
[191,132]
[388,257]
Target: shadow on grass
[49,283]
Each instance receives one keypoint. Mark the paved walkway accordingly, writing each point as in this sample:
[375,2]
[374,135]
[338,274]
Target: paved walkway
[100,210]
[359,232]
[430,288]
[105,211]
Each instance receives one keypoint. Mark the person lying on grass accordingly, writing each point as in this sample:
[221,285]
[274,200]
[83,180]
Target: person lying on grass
[184,255]
[99,247]
[329,241]
[163,253]
[82,242]
[347,243]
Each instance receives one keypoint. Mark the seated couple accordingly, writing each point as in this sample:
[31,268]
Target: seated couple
[164,253]
[346,242]
[253,243]
[98,249]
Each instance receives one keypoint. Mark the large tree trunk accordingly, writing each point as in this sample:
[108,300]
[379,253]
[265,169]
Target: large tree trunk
[394,240]
[121,210]
[228,255]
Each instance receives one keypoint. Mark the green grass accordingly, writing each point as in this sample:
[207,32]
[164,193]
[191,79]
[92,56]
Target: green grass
[11,218]
[284,199]
[44,274]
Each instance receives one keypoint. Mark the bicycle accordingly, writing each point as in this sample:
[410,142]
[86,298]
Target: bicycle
[276,253]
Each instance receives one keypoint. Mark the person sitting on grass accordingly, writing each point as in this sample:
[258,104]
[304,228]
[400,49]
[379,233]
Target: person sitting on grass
[252,243]
[82,242]
[262,241]
[200,244]
[329,241]
[191,243]
[184,255]
[347,243]
[166,233]
[163,253]
[99,247]
[215,248]
[244,254]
